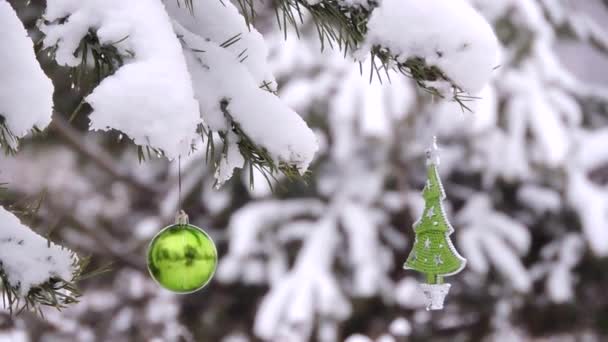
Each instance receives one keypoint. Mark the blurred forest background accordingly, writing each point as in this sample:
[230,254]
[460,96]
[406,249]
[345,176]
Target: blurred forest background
[525,174]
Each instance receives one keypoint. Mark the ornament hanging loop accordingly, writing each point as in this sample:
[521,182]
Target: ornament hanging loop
[432,153]
[182,218]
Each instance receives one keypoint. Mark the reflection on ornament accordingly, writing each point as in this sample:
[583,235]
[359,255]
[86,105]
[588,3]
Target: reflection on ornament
[182,258]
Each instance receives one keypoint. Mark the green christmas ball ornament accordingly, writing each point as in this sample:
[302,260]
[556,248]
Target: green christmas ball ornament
[182,258]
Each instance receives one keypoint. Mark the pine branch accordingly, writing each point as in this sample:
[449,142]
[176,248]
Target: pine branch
[188,3]
[56,292]
[255,156]
[3,191]
[345,27]
[97,61]
[8,141]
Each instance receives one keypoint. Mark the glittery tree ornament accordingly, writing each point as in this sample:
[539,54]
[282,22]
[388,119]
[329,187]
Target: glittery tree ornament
[433,253]
[182,258]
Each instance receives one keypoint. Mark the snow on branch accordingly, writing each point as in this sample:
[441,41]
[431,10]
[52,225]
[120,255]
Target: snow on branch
[288,310]
[164,96]
[586,197]
[221,22]
[250,120]
[447,47]
[423,35]
[33,270]
[250,224]
[559,260]
[26,93]
[490,236]
[300,293]
[150,97]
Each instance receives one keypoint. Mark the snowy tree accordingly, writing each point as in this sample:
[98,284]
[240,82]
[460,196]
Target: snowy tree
[524,170]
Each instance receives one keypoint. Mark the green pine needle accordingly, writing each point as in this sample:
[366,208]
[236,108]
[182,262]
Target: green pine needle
[346,28]
[8,141]
[97,61]
[189,5]
[148,152]
[55,292]
[255,156]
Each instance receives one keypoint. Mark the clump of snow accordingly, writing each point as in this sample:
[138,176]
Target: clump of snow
[42,261]
[354,3]
[308,288]
[589,199]
[540,199]
[249,223]
[358,338]
[220,22]
[489,236]
[407,294]
[448,34]
[26,94]
[163,92]
[563,256]
[229,94]
[307,291]
[361,227]
[232,159]
[150,98]
[377,103]
[400,327]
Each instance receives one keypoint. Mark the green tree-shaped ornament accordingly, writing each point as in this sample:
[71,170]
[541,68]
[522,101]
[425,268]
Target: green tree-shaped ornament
[433,253]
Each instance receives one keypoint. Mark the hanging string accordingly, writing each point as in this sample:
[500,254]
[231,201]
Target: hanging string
[179,180]
[182,217]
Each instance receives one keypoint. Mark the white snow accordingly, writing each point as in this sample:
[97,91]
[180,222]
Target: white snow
[42,261]
[26,93]
[375,103]
[150,98]
[591,203]
[400,327]
[353,3]
[217,76]
[488,236]
[358,338]
[407,294]
[231,160]
[362,232]
[293,302]
[589,199]
[258,233]
[561,280]
[219,21]
[540,199]
[448,34]
[532,131]
[247,226]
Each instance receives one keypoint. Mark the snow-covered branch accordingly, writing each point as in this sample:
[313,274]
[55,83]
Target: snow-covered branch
[43,275]
[26,94]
